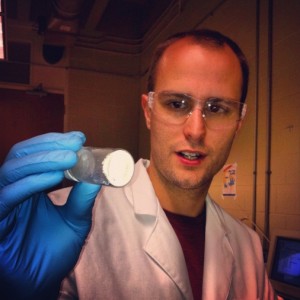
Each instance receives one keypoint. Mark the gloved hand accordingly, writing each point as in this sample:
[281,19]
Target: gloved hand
[40,242]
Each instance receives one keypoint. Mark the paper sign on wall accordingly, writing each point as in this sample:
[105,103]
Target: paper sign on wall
[229,180]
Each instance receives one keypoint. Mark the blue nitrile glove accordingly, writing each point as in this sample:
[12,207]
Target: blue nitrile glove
[40,242]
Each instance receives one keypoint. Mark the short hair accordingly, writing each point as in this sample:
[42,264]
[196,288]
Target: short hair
[203,37]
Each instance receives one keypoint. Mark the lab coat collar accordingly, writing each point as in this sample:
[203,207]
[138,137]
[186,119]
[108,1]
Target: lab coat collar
[163,245]
[164,248]
[219,260]
[140,191]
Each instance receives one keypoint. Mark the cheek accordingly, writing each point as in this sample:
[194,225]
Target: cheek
[162,136]
[221,145]
[159,134]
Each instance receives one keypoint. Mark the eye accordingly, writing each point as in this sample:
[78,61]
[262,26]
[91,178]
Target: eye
[218,106]
[176,103]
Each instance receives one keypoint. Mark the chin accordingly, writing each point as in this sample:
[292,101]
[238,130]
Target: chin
[189,184]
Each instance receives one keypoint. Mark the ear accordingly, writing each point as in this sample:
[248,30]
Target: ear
[146,109]
[240,122]
[239,126]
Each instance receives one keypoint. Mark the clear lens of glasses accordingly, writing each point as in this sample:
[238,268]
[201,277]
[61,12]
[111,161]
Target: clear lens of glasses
[175,108]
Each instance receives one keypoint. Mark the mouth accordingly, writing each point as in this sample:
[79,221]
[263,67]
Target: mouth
[191,156]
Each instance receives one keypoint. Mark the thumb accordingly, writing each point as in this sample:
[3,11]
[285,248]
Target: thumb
[78,209]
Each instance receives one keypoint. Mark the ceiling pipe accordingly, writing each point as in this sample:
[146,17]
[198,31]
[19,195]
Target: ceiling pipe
[65,16]
[67,9]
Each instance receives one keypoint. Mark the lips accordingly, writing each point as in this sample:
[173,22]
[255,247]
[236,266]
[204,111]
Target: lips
[190,155]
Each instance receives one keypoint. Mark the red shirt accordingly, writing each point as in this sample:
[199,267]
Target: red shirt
[191,234]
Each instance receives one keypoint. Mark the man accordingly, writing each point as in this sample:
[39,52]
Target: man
[161,236]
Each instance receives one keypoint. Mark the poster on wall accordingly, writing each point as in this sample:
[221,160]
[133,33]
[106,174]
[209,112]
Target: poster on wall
[229,180]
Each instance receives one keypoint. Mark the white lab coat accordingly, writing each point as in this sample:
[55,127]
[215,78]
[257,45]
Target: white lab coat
[132,251]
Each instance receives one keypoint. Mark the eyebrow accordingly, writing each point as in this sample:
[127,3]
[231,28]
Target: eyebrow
[177,93]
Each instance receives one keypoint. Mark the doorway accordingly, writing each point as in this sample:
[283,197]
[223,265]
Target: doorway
[23,116]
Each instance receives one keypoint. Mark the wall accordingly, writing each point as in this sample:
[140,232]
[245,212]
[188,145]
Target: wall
[102,97]
[105,107]
[101,89]
[285,144]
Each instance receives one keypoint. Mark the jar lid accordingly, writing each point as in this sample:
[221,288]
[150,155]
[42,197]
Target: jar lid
[118,167]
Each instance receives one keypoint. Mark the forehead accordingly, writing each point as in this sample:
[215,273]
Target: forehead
[188,49]
[189,63]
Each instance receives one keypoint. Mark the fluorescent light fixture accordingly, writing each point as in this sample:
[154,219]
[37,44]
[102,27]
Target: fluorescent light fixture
[2,33]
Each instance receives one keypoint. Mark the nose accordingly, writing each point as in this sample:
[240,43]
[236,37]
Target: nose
[194,127]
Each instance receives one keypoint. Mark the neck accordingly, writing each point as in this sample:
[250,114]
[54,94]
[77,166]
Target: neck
[187,202]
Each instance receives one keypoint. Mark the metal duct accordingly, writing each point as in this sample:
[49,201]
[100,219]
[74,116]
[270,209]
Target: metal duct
[65,16]
[67,9]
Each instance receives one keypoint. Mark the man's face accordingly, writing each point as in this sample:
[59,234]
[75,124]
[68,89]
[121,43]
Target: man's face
[189,155]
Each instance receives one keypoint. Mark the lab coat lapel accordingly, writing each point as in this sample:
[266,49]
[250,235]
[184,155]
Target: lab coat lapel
[164,248]
[162,244]
[218,266]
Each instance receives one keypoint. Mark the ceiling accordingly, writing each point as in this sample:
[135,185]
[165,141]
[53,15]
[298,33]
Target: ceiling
[90,21]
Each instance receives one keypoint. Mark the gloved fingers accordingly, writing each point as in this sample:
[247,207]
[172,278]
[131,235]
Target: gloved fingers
[47,142]
[15,193]
[18,168]
[78,209]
